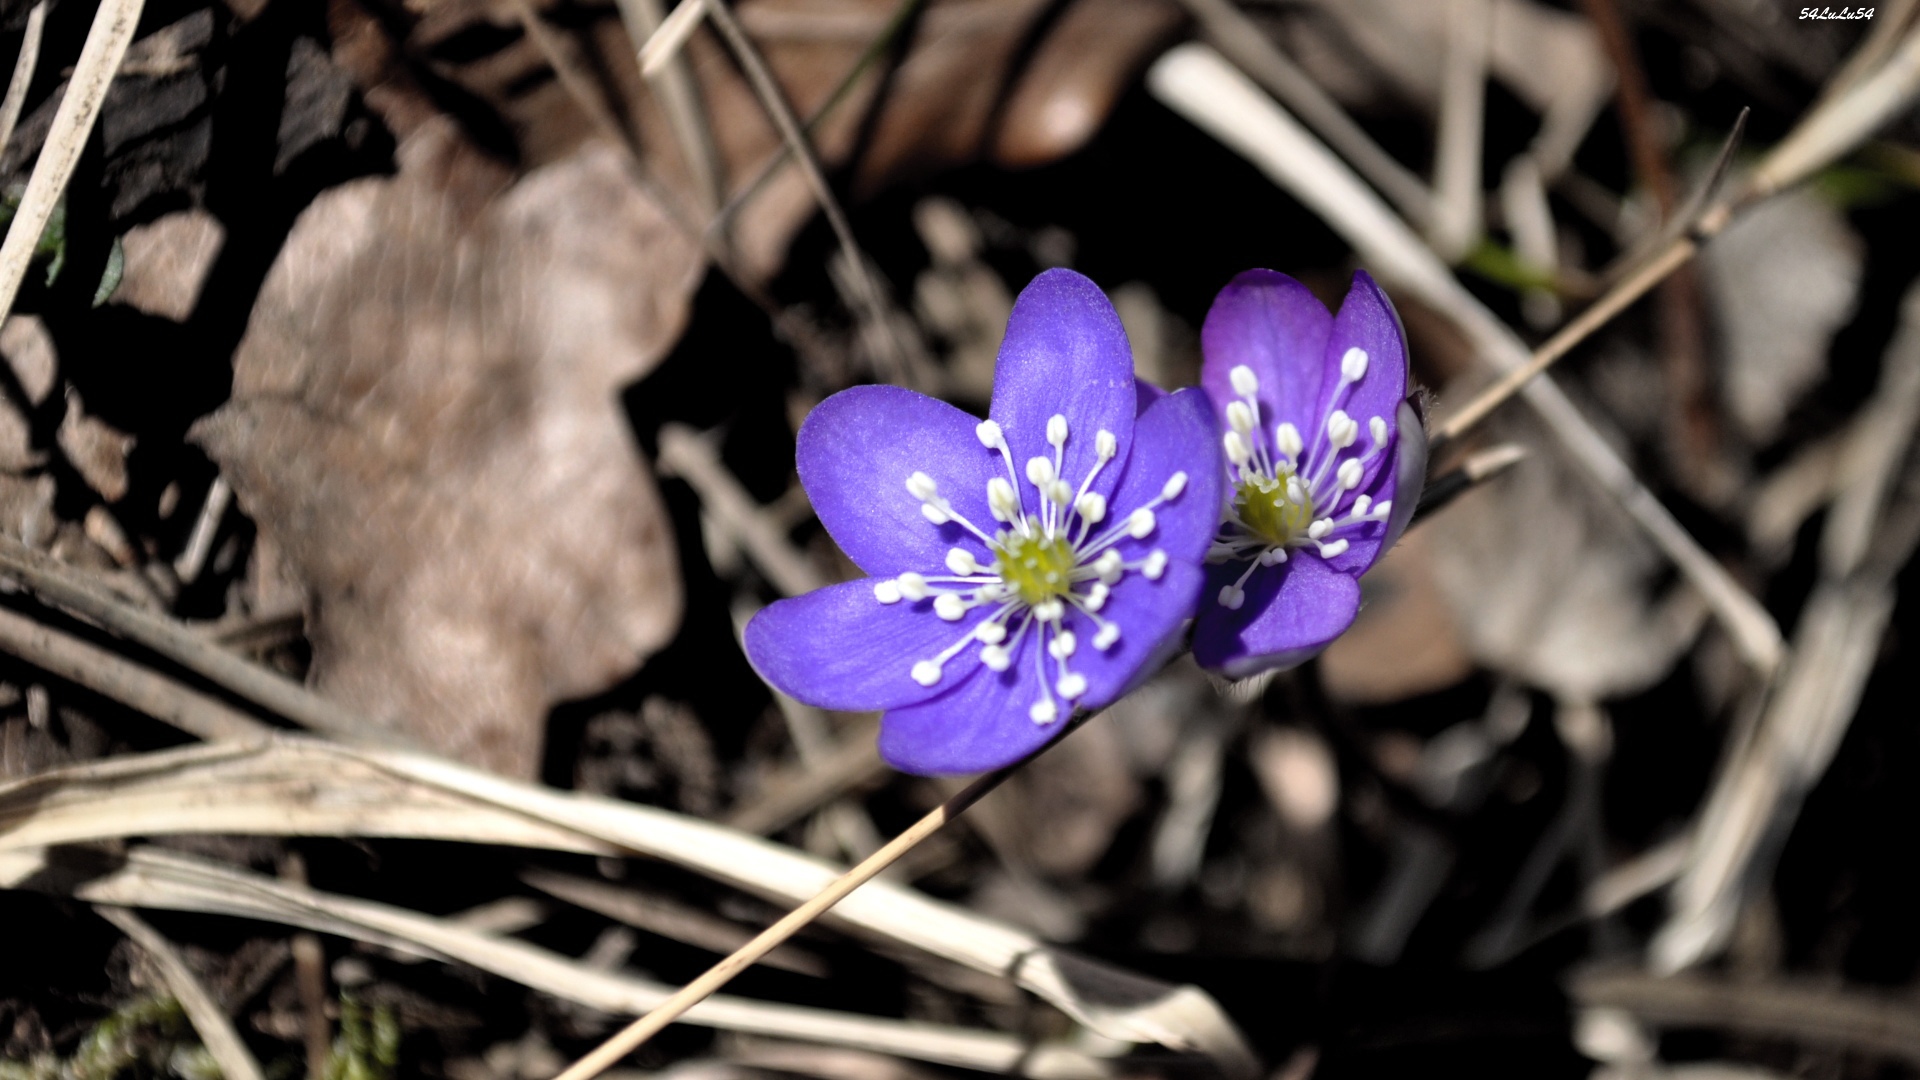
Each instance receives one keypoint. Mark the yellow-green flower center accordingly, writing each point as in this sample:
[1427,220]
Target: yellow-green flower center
[1037,567]
[1264,509]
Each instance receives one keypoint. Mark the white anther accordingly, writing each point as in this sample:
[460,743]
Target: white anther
[1062,645]
[1360,505]
[1175,484]
[922,487]
[1092,507]
[1378,429]
[1140,523]
[1342,429]
[989,434]
[1108,566]
[1039,471]
[1105,445]
[1108,634]
[1328,551]
[1236,446]
[1287,438]
[950,607]
[1231,597]
[995,657]
[1096,597]
[1349,474]
[926,672]
[887,592]
[935,514]
[961,561]
[1155,565]
[1049,611]
[1056,430]
[1353,365]
[1071,685]
[990,632]
[1383,509]
[1060,492]
[1002,501]
[1044,712]
[1273,556]
[912,586]
[1239,417]
[1319,528]
[1245,383]
[1296,491]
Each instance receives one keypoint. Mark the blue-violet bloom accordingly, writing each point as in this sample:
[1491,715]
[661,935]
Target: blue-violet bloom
[1325,458]
[1042,560]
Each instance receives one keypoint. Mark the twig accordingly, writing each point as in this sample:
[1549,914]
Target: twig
[717,976]
[679,96]
[193,558]
[687,455]
[1242,41]
[1479,467]
[893,354]
[310,979]
[116,677]
[209,1021]
[61,586]
[667,39]
[107,41]
[1886,1026]
[1462,130]
[17,87]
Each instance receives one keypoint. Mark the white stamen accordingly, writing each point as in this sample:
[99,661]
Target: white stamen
[1239,417]
[1108,634]
[1175,484]
[1057,430]
[1105,445]
[1338,547]
[1353,365]
[996,658]
[934,514]
[1296,491]
[887,592]
[1319,528]
[1287,438]
[1232,596]
[1245,383]
[1341,429]
[1043,712]
[922,487]
[926,672]
[1237,450]
[1360,505]
[1039,471]
[1378,429]
[912,586]
[1096,597]
[1349,474]
[1048,611]
[1383,509]
[1107,567]
[1060,492]
[1273,556]
[949,606]
[990,632]
[1155,565]
[1002,500]
[1092,507]
[989,434]
[1140,523]
[961,561]
[1062,645]
[1071,685]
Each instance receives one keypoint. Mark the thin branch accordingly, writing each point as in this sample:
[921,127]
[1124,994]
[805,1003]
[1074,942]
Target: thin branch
[1479,467]
[717,976]
[16,98]
[685,454]
[673,83]
[209,1021]
[107,41]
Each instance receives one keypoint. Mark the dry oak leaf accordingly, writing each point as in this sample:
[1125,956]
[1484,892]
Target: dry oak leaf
[426,422]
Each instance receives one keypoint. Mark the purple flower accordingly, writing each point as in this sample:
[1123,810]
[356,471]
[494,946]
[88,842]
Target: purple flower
[1022,566]
[1324,459]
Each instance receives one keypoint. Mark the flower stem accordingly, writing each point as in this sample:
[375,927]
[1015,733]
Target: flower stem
[717,976]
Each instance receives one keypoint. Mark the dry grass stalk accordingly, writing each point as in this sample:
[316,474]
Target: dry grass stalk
[17,86]
[209,1020]
[107,41]
[1821,1015]
[680,99]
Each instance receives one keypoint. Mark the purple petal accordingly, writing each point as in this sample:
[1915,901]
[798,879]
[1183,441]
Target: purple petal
[839,648]
[981,724]
[1145,394]
[855,452]
[1367,321]
[1177,434]
[1273,325]
[1292,611]
[1065,353]
[1148,614]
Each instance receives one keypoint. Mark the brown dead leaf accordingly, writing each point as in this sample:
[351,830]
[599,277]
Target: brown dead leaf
[425,422]
[1405,641]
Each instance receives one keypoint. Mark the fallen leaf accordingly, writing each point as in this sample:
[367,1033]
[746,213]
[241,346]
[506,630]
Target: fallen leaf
[425,423]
